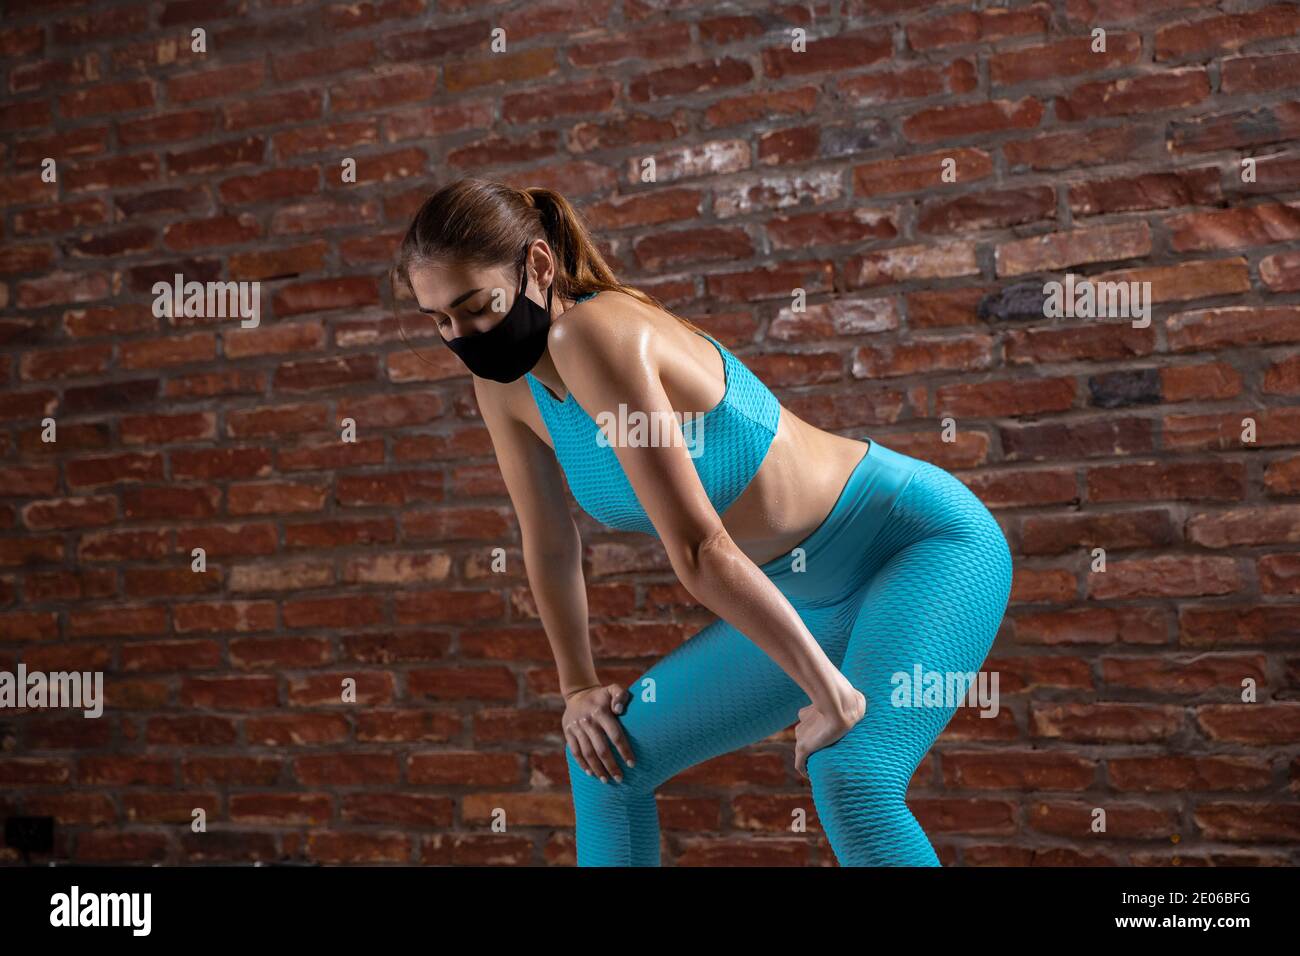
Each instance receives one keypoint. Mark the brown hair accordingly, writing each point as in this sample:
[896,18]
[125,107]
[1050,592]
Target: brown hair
[486,223]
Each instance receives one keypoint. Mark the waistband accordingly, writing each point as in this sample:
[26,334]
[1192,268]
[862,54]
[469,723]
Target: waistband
[857,516]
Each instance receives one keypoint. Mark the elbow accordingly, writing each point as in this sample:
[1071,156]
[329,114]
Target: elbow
[698,558]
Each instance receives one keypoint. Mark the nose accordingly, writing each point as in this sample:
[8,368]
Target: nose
[458,328]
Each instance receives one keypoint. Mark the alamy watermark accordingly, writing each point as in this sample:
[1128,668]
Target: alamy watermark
[217,300]
[1086,299]
[84,690]
[651,429]
[943,689]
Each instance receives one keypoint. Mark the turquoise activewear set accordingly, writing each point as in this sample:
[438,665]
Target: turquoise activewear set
[908,574]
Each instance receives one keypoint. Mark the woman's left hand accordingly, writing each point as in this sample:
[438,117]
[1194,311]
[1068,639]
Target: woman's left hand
[817,729]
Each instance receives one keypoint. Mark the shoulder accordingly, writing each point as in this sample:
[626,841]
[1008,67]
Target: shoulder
[612,330]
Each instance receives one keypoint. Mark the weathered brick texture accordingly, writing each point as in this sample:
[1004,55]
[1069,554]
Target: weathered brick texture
[776,169]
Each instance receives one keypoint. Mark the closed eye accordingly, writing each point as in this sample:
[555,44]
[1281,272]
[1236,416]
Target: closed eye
[442,322]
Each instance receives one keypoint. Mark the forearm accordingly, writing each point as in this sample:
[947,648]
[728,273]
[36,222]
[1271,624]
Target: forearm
[559,590]
[729,584]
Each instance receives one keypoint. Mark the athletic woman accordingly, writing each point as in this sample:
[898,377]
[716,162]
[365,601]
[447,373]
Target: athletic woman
[833,564]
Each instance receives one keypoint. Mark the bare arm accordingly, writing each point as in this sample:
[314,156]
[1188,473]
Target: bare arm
[552,547]
[607,363]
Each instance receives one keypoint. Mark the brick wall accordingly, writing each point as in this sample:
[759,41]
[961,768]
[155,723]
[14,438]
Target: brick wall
[821,170]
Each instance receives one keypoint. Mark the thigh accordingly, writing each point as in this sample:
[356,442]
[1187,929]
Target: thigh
[929,613]
[716,692]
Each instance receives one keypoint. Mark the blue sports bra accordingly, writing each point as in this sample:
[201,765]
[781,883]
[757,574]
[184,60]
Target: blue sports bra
[728,444]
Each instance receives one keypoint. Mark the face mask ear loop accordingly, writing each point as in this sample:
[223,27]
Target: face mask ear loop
[523,272]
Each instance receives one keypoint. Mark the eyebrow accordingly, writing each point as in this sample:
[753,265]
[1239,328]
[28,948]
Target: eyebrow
[457,302]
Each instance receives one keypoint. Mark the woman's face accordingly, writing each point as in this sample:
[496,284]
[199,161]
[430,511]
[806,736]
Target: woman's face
[460,299]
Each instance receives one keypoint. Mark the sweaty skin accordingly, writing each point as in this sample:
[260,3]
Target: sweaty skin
[614,349]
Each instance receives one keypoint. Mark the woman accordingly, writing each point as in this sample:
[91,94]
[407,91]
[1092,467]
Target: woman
[832,564]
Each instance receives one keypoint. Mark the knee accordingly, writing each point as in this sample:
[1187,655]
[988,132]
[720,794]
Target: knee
[866,766]
[588,788]
[861,806]
[859,774]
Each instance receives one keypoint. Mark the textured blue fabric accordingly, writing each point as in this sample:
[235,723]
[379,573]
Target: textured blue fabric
[909,569]
[732,440]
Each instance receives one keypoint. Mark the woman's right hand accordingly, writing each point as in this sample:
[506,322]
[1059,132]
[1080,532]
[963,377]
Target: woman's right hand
[591,724]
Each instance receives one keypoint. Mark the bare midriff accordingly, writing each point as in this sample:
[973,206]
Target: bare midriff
[801,476]
[794,490]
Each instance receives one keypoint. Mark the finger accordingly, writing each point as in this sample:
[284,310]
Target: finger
[805,711]
[799,761]
[614,730]
[604,764]
[576,749]
[584,745]
[616,698]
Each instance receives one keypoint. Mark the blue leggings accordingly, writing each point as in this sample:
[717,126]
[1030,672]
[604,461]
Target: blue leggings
[908,571]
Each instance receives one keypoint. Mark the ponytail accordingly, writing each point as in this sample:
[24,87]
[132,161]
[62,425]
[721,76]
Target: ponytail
[483,222]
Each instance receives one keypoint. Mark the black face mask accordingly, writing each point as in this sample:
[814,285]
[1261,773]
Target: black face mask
[515,344]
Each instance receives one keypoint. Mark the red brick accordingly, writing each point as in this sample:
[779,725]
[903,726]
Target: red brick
[1273,123]
[217,158]
[116,172]
[424,44]
[60,217]
[945,307]
[187,349]
[169,127]
[1213,35]
[1084,148]
[848,51]
[114,22]
[1187,280]
[229,80]
[1068,57]
[870,89]
[25,115]
[661,40]
[202,233]
[315,139]
[1094,342]
[955,122]
[914,173]
[83,141]
[534,64]
[277,263]
[1184,187]
[770,104]
[978,26]
[999,399]
[1233,228]
[1281,271]
[831,228]
[440,120]
[382,89]
[291,67]
[324,294]
[922,356]
[28,258]
[108,98]
[1233,326]
[1255,74]
[1078,246]
[904,263]
[988,210]
[1144,94]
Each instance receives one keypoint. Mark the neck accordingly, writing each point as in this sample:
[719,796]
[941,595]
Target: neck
[545,371]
